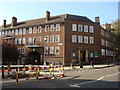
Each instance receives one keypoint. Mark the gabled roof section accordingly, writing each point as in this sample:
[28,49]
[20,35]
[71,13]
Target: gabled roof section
[53,19]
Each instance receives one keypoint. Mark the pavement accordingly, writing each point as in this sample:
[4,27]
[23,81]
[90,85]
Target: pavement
[67,68]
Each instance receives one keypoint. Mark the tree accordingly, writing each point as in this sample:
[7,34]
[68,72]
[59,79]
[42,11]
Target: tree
[9,53]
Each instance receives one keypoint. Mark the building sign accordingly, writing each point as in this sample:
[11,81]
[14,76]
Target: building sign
[95,54]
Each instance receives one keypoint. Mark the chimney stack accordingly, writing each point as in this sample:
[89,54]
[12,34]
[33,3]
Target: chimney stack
[47,15]
[108,26]
[14,21]
[97,20]
[4,23]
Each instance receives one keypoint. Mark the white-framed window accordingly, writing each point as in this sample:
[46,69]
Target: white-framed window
[39,29]
[80,39]
[85,39]
[39,39]
[46,28]
[46,39]
[57,50]
[34,40]
[20,31]
[19,50]
[19,41]
[91,29]
[0,34]
[24,40]
[106,43]
[51,38]
[51,50]
[35,30]
[103,42]
[30,30]
[91,40]
[57,38]
[12,32]
[80,29]
[6,33]
[24,30]
[16,41]
[57,27]
[16,31]
[3,33]
[74,27]
[23,50]
[51,27]
[103,52]
[46,50]
[74,38]
[9,32]
[30,40]
[85,28]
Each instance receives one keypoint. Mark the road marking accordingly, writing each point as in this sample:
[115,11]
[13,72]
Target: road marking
[78,85]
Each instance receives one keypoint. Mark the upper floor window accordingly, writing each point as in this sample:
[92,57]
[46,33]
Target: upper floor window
[3,33]
[20,31]
[30,30]
[57,50]
[46,38]
[39,39]
[91,29]
[46,28]
[85,39]
[23,50]
[51,38]
[51,27]
[35,30]
[19,41]
[51,50]
[12,32]
[16,31]
[74,27]
[46,50]
[23,41]
[102,32]
[39,29]
[0,34]
[91,40]
[9,32]
[74,38]
[103,52]
[102,42]
[85,28]
[24,30]
[30,40]
[80,39]
[16,41]
[80,28]
[6,33]
[57,27]
[57,38]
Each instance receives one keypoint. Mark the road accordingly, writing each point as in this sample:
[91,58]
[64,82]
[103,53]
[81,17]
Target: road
[93,78]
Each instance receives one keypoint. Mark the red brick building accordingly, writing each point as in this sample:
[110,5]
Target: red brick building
[62,38]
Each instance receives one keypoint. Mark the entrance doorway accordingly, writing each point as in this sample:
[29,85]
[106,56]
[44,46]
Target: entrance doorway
[83,55]
[34,58]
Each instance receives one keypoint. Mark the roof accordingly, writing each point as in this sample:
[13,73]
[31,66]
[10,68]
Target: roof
[53,19]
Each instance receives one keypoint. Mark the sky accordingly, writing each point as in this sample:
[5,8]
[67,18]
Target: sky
[107,11]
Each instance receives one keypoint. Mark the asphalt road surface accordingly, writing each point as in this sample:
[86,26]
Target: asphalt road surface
[94,78]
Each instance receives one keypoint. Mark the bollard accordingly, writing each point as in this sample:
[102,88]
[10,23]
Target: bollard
[17,76]
[53,76]
[36,73]
[63,75]
[3,75]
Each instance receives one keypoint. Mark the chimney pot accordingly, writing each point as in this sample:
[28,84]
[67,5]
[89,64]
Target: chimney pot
[108,26]
[97,20]
[14,21]
[47,15]
[4,23]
